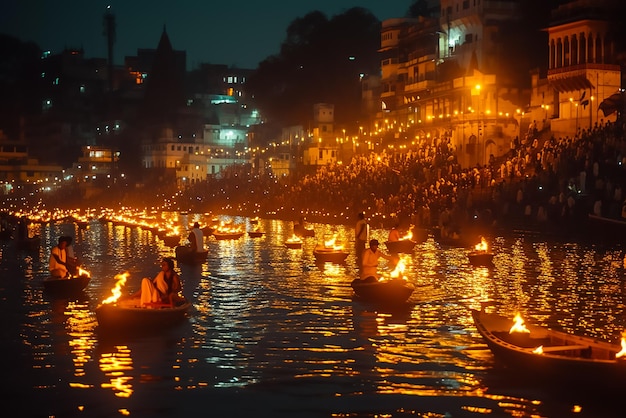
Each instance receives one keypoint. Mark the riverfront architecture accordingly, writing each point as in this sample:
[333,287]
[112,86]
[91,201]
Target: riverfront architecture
[471,74]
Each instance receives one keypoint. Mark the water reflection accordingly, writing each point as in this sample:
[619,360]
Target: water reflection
[268,322]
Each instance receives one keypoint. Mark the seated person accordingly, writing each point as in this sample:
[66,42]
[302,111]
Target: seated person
[394,234]
[196,239]
[58,264]
[369,263]
[164,288]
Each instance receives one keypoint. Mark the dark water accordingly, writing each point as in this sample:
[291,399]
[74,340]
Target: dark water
[272,334]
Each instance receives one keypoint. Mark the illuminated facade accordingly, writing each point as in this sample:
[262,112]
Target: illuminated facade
[440,78]
[583,70]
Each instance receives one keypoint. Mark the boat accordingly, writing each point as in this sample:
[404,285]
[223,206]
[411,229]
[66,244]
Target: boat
[480,258]
[128,314]
[480,255]
[546,353]
[400,246]
[294,242]
[187,256]
[389,291]
[227,235]
[256,234]
[59,286]
[329,255]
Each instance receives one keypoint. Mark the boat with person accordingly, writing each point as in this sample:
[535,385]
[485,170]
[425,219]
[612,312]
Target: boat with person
[395,290]
[66,286]
[128,313]
[187,255]
[404,246]
[546,353]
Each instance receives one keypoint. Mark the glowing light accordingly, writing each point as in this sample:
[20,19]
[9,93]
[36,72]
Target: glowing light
[518,325]
[117,290]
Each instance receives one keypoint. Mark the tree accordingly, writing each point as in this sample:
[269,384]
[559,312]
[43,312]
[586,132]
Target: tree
[320,61]
[418,8]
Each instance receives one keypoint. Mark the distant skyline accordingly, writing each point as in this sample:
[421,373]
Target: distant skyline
[237,33]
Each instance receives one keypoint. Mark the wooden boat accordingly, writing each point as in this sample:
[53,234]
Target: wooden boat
[227,235]
[295,245]
[187,256]
[29,244]
[480,258]
[127,314]
[255,234]
[400,246]
[329,255]
[70,286]
[546,353]
[382,291]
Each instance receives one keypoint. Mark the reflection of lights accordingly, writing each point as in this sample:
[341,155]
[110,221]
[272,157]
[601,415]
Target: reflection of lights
[113,365]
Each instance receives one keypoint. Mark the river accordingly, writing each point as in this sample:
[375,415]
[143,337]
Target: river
[273,334]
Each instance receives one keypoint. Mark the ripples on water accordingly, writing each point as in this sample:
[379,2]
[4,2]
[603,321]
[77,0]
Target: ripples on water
[274,334]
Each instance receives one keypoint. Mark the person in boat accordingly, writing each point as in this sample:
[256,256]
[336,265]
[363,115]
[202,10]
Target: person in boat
[394,234]
[369,263]
[72,261]
[58,264]
[196,239]
[361,232]
[164,288]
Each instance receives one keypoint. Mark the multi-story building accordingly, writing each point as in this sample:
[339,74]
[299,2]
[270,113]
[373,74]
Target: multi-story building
[440,78]
[583,69]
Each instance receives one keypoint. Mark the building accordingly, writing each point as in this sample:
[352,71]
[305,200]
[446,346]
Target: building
[18,170]
[583,68]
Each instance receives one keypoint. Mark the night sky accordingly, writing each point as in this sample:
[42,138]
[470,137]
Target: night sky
[236,33]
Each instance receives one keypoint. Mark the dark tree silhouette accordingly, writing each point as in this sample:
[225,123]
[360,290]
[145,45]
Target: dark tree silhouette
[320,61]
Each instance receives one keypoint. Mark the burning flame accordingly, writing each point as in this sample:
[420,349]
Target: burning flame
[622,352]
[83,272]
[518,326]
[408,236]
[538,350]
[117,290]
[294,239]
[482,246]
[332,243]
[398,271]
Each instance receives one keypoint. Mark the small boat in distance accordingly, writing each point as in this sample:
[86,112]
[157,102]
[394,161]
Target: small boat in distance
[480,255]
[330,251]
[295,242]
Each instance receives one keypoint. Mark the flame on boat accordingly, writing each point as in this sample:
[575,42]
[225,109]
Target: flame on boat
[622,352]
[82,272]
[482,245]
[333,244]
[518,325]
[117,290]
[398,271]
[408,236]
[294,239]
[538,350]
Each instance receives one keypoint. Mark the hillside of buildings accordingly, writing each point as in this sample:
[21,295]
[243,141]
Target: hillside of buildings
[456,102]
